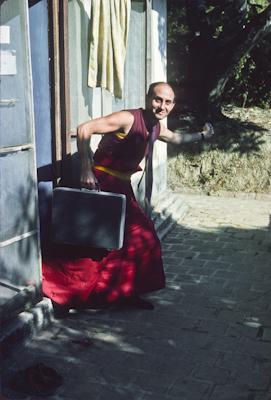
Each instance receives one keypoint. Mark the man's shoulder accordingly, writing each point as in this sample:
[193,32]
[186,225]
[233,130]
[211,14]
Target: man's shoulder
[122,116]
[134,110]
[136,115]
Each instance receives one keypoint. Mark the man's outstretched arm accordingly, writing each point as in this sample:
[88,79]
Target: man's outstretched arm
[179,138]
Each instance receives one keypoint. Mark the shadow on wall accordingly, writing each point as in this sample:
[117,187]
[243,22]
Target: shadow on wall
[210,310]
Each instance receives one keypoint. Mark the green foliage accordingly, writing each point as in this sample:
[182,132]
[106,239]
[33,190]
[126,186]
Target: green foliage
[201,37]
[250,84]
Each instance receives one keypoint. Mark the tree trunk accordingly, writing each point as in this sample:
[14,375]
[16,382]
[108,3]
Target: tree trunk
[240,46]
[212,61]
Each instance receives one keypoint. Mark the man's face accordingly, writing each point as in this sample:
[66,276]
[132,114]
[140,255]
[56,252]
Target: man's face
[161,102]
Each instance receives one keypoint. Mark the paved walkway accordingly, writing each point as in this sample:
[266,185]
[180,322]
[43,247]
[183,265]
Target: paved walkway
[209,336]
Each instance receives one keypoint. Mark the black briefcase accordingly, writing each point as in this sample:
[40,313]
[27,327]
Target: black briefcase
[88,218]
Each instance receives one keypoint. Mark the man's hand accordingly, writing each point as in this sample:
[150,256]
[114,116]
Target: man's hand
[88,180]
[208,131]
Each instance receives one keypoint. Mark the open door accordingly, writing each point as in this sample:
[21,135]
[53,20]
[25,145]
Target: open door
[20,264]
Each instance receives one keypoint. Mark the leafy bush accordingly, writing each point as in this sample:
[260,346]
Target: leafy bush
[250,84]
[203,35]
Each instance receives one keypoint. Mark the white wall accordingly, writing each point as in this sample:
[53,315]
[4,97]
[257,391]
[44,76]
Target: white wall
[159,73]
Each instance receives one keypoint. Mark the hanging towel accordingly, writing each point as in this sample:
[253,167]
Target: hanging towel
[108,43]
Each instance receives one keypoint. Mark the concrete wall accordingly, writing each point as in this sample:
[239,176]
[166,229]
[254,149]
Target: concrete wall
[19,234]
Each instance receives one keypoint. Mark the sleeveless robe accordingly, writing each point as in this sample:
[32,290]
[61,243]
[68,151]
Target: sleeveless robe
[75,278]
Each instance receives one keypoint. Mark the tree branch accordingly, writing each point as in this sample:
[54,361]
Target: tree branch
[253,33]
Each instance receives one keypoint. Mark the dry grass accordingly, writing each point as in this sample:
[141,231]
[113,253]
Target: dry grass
[237,160]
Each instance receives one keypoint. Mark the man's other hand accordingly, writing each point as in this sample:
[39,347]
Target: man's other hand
[208,131]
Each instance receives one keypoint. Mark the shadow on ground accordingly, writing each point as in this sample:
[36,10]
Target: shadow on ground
[209,336]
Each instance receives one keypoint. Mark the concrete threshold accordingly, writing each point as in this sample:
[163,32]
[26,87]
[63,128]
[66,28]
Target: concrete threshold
[18,330]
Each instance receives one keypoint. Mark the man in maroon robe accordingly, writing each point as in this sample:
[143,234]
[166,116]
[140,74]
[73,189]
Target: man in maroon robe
[119,275]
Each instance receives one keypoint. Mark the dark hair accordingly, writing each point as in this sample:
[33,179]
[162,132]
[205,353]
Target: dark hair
[153,86]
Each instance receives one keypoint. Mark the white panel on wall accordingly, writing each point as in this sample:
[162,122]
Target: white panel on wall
[159,40]
[159,73]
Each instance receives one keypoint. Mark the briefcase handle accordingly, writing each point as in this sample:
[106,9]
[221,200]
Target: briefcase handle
[97,188]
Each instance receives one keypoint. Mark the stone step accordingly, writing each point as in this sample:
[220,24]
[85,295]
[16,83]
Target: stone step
[18,330]
[164,201]
[170,209]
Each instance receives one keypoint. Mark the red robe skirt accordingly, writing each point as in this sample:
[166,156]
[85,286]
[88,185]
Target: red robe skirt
[70,278]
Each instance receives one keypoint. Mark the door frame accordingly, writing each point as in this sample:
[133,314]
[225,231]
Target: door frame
[59,77]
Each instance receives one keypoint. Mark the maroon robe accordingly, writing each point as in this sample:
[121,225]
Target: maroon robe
[76,280]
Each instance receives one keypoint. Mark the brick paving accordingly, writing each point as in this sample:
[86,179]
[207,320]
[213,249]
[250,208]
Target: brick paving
[209,337]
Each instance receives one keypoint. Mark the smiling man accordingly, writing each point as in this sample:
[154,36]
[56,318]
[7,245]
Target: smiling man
[120,275]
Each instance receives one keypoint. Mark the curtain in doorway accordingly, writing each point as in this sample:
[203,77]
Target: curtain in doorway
[108,43]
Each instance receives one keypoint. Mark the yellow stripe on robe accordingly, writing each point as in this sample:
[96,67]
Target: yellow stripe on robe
[118,174]
[121,135]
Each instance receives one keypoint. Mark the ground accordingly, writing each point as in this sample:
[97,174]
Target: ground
[209,336]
